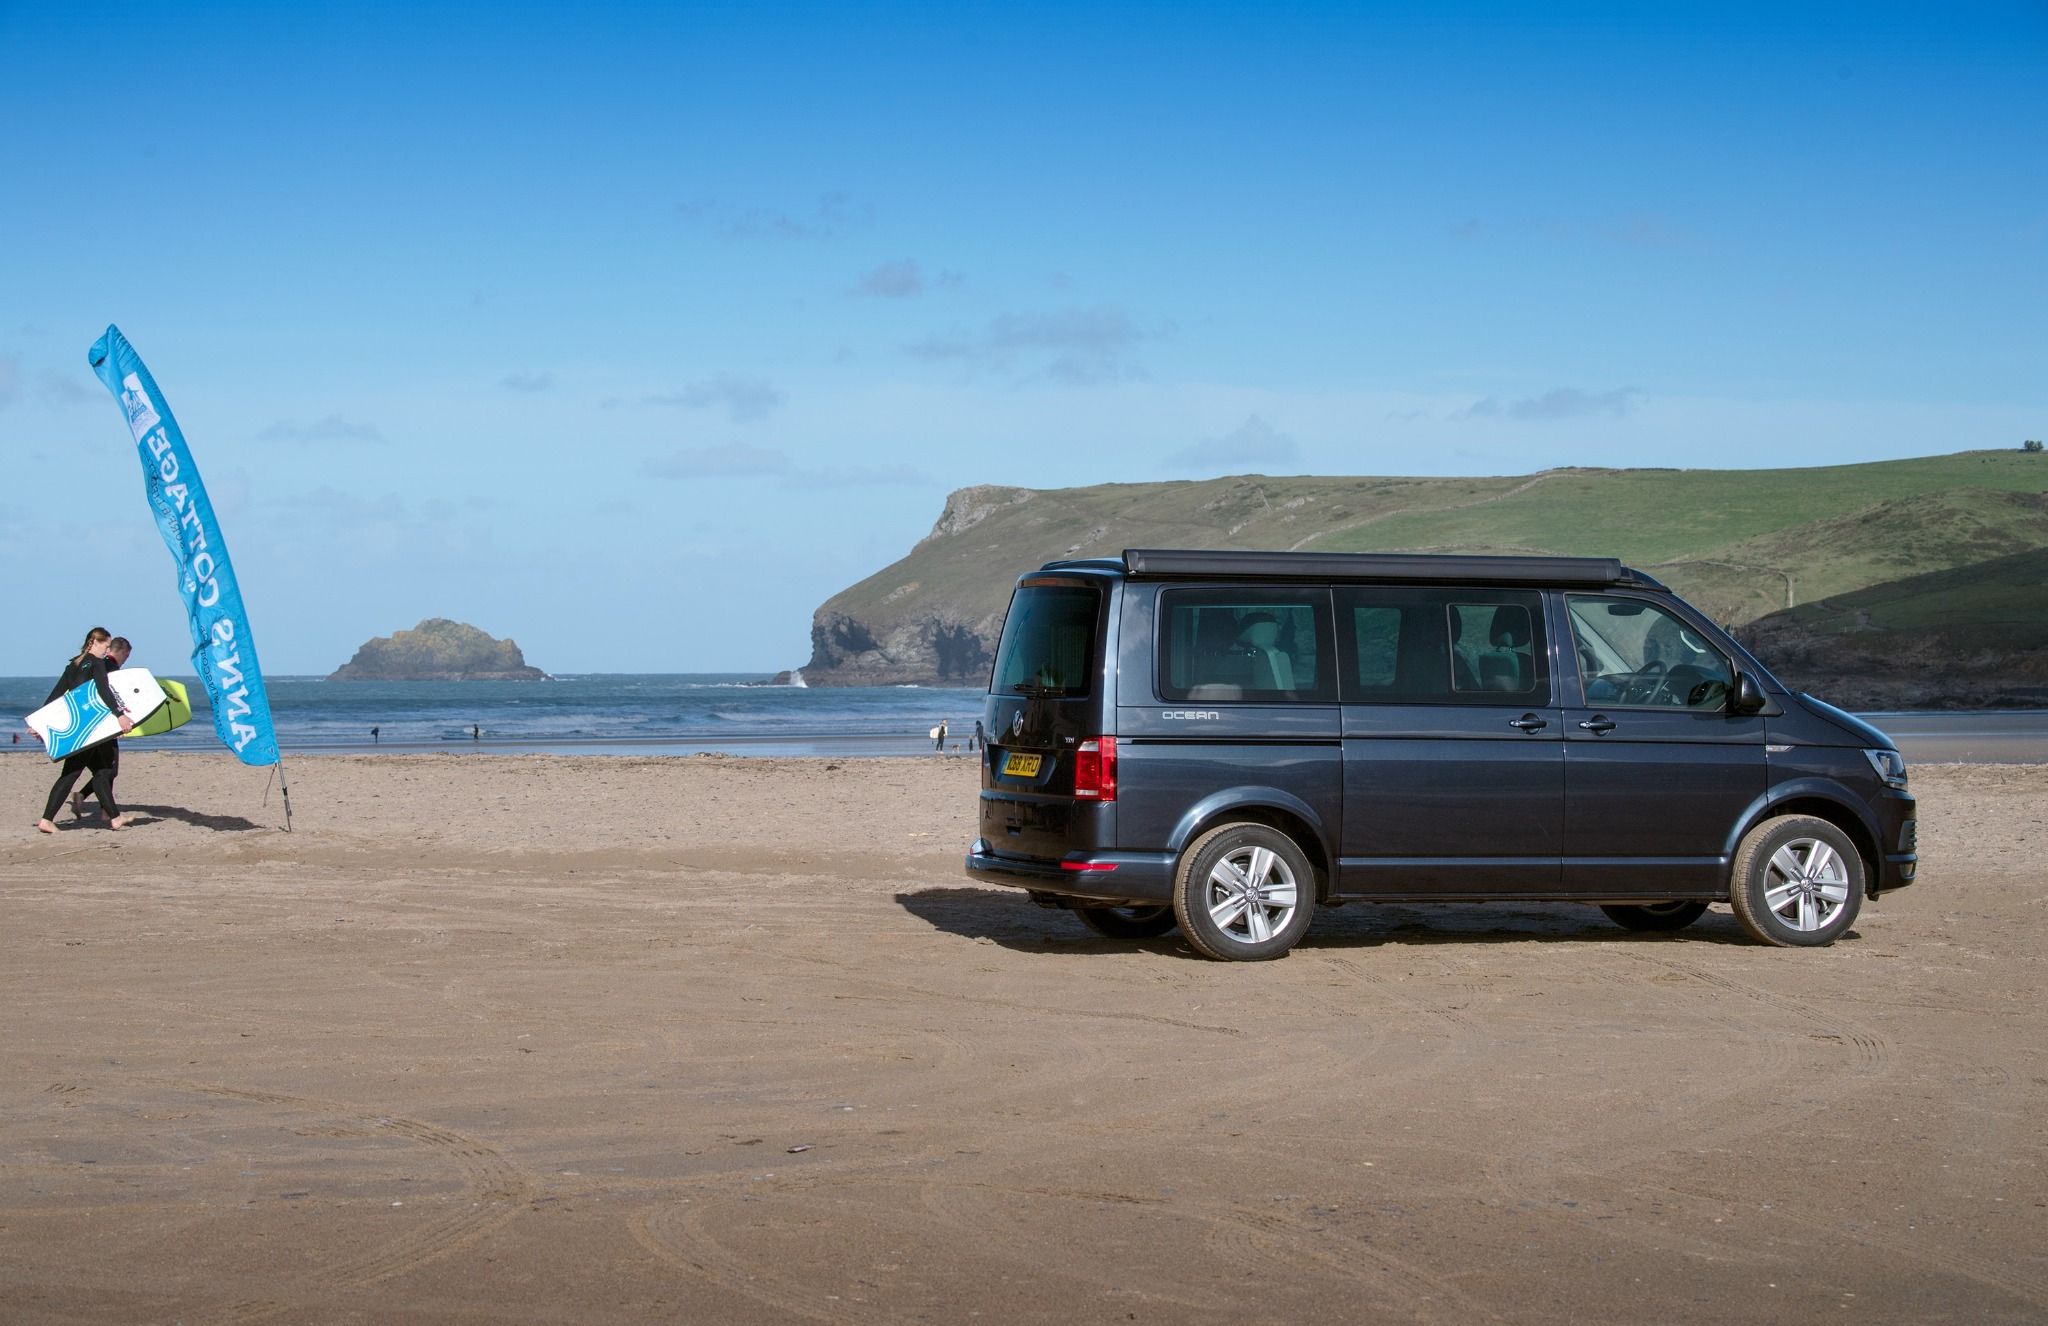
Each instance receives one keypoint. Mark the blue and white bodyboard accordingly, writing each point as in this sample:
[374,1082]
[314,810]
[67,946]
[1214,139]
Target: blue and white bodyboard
[78,718]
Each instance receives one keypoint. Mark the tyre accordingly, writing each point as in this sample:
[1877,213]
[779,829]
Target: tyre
[1655,915]
[1244,893]
[1127,922]
[1798,882]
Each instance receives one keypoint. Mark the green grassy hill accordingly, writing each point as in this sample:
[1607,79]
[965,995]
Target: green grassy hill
[1741,543]
[1975,636]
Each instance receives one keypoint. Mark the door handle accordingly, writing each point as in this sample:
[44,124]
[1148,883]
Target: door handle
[1599,723]
[1528,723]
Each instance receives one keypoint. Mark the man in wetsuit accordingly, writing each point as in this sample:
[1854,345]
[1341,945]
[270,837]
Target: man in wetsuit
[118,650]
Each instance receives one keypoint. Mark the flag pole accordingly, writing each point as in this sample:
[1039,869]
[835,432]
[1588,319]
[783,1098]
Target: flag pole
[286,788]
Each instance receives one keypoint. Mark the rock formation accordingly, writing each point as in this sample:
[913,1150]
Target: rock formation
[438,650]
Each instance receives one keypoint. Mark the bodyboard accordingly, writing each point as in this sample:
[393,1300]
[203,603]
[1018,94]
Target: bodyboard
[78,718]
[177,711]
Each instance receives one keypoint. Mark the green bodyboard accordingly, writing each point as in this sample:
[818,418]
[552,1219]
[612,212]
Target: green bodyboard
[176,713]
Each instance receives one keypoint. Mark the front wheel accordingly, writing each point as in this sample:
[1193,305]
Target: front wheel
[1127,922]
[1798,882]
[1244,893]
[1655,915]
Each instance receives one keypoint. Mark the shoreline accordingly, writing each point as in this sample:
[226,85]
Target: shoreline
[802,746]
[1938,742]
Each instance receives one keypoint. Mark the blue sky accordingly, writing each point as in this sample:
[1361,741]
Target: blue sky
[634,332]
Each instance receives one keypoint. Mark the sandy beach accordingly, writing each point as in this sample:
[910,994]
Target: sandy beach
[571,1039]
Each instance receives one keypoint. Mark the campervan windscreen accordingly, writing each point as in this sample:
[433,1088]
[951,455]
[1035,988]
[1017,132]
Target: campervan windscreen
[1048,643]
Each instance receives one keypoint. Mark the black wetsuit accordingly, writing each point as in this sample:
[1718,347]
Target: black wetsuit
[113,744]
[98,760]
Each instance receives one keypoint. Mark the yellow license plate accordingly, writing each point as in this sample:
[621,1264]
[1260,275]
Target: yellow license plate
[1019,765]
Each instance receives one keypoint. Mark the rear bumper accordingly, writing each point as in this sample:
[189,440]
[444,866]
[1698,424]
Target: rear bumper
[1088,877]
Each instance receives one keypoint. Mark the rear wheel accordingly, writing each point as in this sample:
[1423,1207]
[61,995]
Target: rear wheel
[1244,893]
[1798,882]
[1655,915]
[1127,922]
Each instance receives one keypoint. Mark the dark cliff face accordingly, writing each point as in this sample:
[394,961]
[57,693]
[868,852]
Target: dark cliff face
[923,651]
[913,630]
[438,650]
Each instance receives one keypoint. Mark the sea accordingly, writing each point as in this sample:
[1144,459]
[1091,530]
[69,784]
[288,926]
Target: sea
[598,714]
[743,714]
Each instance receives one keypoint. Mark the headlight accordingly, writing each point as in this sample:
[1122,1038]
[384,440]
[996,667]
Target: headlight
[1890,766]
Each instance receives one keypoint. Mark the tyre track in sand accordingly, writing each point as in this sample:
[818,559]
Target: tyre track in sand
[1870,1056]
[1619,1175]
[918,1230]
[1270,1240]
[497,1190]
[1537,1177]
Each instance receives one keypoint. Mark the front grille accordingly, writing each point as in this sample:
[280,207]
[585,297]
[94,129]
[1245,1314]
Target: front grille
[1909,836]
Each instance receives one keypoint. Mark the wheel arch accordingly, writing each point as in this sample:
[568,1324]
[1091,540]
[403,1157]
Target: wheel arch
[1823,802]
[1271,807]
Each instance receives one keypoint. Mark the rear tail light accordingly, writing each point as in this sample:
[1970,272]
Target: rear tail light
[1095,769]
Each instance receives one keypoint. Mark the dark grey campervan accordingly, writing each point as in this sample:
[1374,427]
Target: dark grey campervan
[1224,740]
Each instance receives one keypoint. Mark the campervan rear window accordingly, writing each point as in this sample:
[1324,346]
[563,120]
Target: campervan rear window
[1048,645]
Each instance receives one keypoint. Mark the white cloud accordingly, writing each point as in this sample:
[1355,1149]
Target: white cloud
[1559,403]
[52,386]
[743,399]
[893,280]
[1253,445]
[733,461]
[832,214]
[1075,346]
[58,388]
[333,428]
[1646,230]
[860,476]
[741,461]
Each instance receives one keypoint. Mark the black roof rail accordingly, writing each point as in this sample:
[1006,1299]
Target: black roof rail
[1416,568]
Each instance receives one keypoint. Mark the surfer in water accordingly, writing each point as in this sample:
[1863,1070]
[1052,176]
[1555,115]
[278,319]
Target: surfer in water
[90,664]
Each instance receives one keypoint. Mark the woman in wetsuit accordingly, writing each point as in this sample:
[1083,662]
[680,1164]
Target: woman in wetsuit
[89,665]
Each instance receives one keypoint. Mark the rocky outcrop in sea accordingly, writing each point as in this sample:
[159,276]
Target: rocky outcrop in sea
[438,650]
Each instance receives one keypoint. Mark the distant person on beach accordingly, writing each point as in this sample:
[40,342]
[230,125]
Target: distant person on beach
[979,741]
[118,650]
[476,732]
[374,738]
[88,665]
[940,743]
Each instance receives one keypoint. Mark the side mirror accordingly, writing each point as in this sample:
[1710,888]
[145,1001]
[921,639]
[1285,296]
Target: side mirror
[1748,697]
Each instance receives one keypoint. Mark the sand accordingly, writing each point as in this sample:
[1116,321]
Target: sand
[550,1039]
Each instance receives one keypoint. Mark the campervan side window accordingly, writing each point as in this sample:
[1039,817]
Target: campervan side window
[1635,654]
[1443,646]
[1246,644]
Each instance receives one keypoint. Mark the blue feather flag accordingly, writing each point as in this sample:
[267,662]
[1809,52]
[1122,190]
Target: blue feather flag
[223,649]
